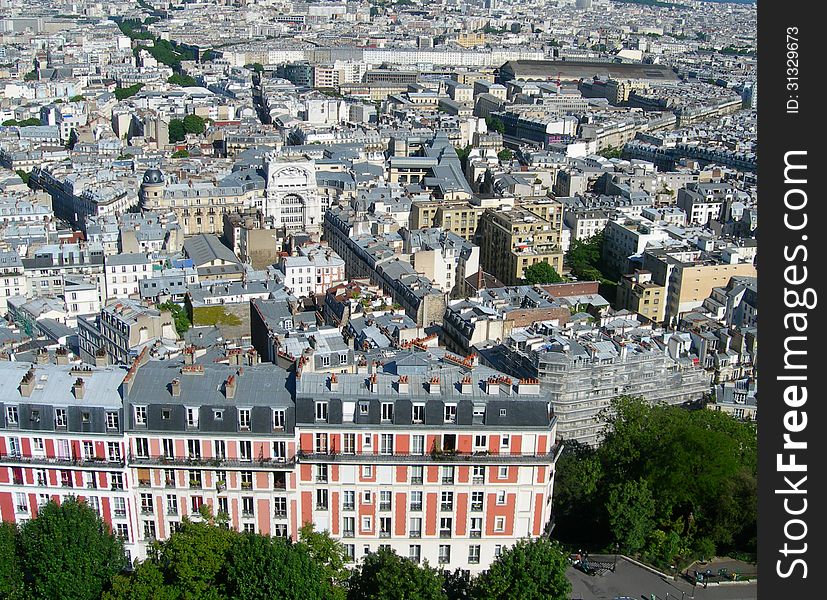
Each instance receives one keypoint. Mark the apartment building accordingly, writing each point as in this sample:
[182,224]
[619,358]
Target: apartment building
[122,329]
[124,272]
[63,434]
[511,240]
[583,373]
[442,459]
[313,271]
[637,292]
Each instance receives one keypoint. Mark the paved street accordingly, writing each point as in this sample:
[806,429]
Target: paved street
[638,583]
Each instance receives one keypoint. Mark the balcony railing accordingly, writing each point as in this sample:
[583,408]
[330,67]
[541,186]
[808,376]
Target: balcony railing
[348,506]
[384,506]
[415,534]
[100,463]
[348,533]
[416,506]
[476,506]
[280,514]
[384,534]
[224,463]
[475,533]
[444,533]
[446,456]
[446,507]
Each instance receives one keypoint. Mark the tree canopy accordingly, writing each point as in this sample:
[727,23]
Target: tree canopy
[127,92]
[667,483]
[529,569]
[541,272]
[182,80]
[68,552]
[384,575]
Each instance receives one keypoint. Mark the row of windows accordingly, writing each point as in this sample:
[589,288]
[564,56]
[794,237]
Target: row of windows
[244,416]
[417,443]
[60,417]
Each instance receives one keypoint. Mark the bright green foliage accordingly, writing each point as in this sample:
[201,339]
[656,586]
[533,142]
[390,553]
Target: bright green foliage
[182,80]
[11,576]
[529,570]
[146,582]
[260,568]
[584,258]
[631,511]
[77,98]
[541,272]
[384,575]
[68,552]
[179,314]
[505,155]
[180,154]
[328,552]
[24,176]
[194,556]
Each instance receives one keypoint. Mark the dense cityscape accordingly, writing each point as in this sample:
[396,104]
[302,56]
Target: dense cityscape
[437,281]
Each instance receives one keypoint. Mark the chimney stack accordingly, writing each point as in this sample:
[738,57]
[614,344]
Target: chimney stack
[175,387]
[62,356]
[78,388]
[100,358]
[229,387]
[42,356]
[27,383]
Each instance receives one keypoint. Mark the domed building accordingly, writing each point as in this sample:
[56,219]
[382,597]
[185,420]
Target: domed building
[151,192]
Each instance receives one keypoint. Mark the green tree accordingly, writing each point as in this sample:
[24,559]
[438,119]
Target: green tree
[631,511]
[576,488]
[24,176]
[584,258]
[146,582]
[73,139]
[257,67]
[505,155]
[193,557]
[179,315]
[327,552]
[77,98]
[194,124]
[611,152]
[32,122]
[182,80]
[68,552]
[457,584]
[529,570]
[261,567]
[541,272]
[180,154]
[177,132]
[11,576]
[384,575]
[495,124]
[127,92]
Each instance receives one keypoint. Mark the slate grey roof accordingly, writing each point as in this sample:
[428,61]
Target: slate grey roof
[205,248]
